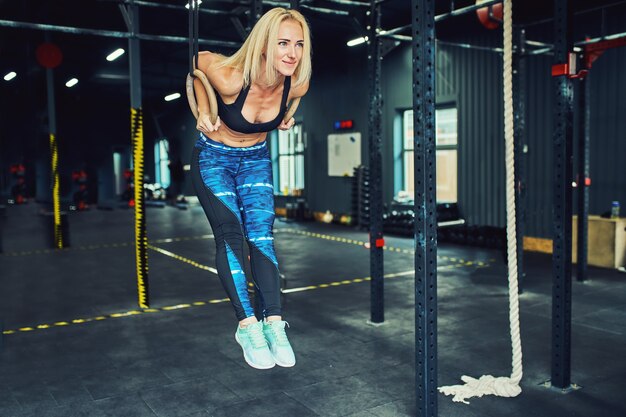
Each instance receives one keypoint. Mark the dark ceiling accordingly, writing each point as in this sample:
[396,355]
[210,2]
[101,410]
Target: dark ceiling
[164,64]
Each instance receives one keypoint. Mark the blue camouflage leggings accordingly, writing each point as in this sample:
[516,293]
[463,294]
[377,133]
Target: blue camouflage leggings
[234,186]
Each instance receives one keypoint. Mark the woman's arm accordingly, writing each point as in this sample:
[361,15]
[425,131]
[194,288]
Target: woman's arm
[296,92]
[227,82]
[299,91]
[205,59]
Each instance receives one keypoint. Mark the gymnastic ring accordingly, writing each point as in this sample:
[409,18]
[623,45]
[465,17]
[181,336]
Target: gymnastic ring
[293,106]
[210,92]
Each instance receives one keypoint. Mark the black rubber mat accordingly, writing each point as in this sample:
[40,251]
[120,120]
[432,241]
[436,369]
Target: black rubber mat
[76,344]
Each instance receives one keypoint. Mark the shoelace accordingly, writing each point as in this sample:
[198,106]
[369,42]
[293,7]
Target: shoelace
[256,337]
[279,332]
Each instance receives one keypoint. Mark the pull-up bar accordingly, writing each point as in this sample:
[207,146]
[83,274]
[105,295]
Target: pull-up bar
[169,6]
[392,33]
[111,33]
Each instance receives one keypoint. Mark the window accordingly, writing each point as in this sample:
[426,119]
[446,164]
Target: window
[447,153]
[161,161]
[117,173]
[288,157]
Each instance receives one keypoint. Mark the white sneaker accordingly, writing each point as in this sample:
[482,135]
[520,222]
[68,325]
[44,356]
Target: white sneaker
[255,349]
[278,343]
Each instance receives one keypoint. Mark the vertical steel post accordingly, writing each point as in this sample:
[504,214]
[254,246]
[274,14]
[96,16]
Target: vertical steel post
[423,27]
[136,126]
[54,161]
[562,208]
[54,158]
[2,215]
[519,100]
[584,103]
[256,10]
[377,295]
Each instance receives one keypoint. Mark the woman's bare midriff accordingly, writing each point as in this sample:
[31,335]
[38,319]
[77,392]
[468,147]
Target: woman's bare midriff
[235,139]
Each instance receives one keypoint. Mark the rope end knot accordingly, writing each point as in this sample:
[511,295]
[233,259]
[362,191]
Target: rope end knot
[485,385]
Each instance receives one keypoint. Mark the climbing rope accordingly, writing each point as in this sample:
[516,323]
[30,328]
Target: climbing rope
[487,384]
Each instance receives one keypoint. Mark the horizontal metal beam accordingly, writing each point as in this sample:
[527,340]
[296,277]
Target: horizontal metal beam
[464,10]
[547,47]
[406,38]
[111,33]
[538,43]
[394,30]
[169,6]
[540,51]
[284,4]
[601,39]
[183,39]
[324,10]
[350,3]
[591,9]
[453,13]
[233,2]
[174,6]
[63,29]
[469,46]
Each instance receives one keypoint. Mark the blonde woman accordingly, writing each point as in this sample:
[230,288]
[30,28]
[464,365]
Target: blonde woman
[232,173]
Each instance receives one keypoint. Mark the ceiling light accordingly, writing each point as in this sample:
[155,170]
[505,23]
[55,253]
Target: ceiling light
[115,54]
[536,43]
[172,96]
[71,83]
[113,77]
[10,76]
[357,41]
[187,5]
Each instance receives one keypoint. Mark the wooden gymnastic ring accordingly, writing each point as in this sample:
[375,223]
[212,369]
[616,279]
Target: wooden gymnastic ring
[210,92]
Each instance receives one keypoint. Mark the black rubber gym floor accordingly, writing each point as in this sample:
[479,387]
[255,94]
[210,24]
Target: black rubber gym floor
[76,344]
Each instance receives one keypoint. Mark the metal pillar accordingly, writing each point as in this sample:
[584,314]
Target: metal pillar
[584,103]
[256,10]
[519,100]
[141,238]
[562,206]
[113,34]
[58,241]
[2,214]
[377,295]
[423,27]
[54,162]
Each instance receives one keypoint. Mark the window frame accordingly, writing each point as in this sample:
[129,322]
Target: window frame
[405,151]
[161,162]
[293,153]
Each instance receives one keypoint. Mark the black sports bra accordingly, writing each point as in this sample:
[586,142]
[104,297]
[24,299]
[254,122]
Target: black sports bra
[231,113]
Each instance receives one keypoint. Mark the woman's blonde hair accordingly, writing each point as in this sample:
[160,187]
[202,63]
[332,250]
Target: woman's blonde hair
[263,39]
